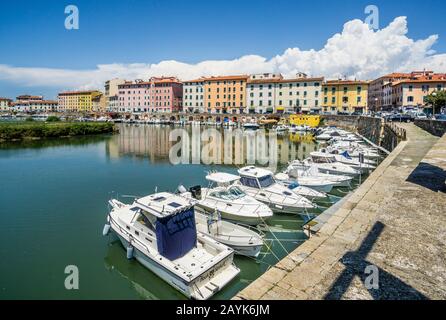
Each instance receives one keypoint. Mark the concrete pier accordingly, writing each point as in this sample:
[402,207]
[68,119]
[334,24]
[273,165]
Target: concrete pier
[393,225]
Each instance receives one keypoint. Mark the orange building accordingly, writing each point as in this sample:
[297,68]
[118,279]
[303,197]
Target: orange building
[225,94]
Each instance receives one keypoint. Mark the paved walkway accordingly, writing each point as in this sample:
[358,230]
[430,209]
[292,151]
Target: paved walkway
[394,222]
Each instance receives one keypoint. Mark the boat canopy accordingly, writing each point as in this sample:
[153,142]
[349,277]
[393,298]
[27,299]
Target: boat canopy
[176,234]
[222,177]
[254,172]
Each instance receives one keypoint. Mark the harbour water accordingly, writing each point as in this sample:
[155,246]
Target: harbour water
[53,205]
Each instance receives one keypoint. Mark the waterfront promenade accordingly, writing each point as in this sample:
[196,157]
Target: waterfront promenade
[396,221]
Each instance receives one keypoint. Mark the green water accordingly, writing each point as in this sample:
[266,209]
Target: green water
[53,205]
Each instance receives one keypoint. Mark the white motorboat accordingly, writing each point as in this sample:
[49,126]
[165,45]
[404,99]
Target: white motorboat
[344,159]
[244,241]
[251,126]
[315,183]
[354,149]
[230,200]
[295,128]
[323,137]
[160,232]
[281,128]
[335,168]
[260,184]
[298,169]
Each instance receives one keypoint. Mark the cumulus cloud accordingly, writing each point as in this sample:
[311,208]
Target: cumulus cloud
[356,52]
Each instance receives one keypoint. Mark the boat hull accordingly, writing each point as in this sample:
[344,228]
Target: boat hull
[157,269]
[249,220]
[219,277]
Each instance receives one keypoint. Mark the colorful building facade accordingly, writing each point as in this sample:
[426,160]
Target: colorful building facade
[193,96]
[413,93]
[344,96]
[77,101]
[133,97]
[166,94]
[163,95]
[225,94]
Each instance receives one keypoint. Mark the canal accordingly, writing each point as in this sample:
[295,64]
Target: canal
[53,205]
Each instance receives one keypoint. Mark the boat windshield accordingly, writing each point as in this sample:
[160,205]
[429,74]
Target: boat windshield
[266,181]
[233,193]
[237,192]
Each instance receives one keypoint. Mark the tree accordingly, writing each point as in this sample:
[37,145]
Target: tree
[437,100]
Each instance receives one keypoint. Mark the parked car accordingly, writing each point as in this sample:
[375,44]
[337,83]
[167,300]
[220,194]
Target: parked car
[419,115]
[399,117]
[440,117]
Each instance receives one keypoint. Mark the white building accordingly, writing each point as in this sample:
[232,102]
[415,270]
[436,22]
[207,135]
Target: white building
[271,93]
[113,104]
[5,104]
[300,94]
[36,106]
[193,96]
[261,92]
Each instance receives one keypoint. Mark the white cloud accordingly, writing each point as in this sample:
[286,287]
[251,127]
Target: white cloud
[356,52]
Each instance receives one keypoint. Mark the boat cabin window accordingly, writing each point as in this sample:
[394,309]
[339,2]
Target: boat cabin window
[147,222]
[236,192]
[266,181]
[250,182]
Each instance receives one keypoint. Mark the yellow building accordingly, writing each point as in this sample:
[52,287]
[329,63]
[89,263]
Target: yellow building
[225,94]
[77,101]
[344,96]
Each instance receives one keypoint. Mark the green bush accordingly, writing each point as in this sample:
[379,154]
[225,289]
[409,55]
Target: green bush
[53,119]
[52,130]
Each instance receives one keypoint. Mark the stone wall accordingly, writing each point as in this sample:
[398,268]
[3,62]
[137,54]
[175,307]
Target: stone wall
[346,122]
[371,128]
[436,128]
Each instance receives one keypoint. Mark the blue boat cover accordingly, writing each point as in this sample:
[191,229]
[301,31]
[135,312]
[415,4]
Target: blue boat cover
[346,155]
[176,235]
[293,185]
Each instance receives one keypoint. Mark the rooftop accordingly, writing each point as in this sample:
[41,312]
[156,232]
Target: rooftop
[79,92]
[346,82]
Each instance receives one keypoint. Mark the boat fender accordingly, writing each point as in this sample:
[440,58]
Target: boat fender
[130,252]
[106,229]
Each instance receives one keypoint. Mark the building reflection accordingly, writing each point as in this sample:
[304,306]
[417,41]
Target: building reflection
[195,145]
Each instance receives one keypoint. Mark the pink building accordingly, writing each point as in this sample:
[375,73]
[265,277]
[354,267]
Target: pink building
[163,94]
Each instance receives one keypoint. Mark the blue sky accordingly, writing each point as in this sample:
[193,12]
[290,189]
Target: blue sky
[32,33]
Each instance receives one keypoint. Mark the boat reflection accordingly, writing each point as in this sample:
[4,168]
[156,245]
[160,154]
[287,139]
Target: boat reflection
[229,146]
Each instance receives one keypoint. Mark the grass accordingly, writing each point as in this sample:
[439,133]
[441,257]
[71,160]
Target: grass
[25,130]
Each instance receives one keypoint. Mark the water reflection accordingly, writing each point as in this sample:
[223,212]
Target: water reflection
[195,145]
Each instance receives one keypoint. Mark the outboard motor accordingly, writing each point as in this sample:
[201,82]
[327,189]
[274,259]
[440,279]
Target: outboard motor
[196,192]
